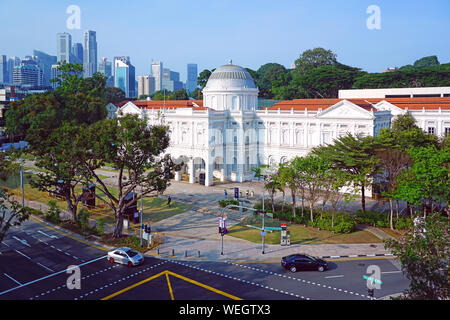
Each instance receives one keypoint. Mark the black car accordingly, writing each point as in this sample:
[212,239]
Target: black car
[296,262]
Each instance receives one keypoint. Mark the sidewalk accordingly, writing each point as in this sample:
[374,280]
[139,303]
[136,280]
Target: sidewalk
[194,235]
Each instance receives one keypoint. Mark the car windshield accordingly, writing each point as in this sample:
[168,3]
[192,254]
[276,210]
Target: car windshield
[312,258]
[131,253]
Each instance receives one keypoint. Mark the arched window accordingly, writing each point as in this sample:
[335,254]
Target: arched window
[234,167]
[183,137]
[214,102]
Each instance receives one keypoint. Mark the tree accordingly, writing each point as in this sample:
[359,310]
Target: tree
[315,169]
[314,58]
[135,149]
[61,156]
[203,77]
[179,95]
[424,257]
[11,212]
[114,95]
[356,156]
[50,121]
[431,61]
[325,81]
[427,179]
[392,163]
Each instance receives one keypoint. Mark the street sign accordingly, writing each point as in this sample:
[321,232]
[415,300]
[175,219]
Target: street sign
[273,228]
[236,193]
[263,233]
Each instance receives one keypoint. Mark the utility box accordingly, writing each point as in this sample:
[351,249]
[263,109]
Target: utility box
[288,238]
[284,234]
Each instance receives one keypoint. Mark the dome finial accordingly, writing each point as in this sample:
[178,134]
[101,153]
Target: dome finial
[230,61]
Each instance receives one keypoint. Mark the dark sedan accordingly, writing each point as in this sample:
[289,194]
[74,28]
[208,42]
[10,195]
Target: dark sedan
[302,262]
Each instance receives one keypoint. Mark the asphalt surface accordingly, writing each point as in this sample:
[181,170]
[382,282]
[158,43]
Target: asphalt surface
[35,257]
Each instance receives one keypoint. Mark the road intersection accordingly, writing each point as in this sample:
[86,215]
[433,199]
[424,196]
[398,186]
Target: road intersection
[35,257]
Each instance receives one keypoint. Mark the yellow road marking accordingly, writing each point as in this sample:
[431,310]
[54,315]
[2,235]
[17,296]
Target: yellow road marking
[170,287]
[204,286]
[134,286]
[167,273]
[68,235]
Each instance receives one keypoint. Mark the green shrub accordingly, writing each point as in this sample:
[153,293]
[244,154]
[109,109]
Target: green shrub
[83,218]
[100,226]
[345,227]
[53,213]
[224,203]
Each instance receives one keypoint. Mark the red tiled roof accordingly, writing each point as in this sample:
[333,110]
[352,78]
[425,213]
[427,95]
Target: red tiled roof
[316,104]
[433,103]
[160,104]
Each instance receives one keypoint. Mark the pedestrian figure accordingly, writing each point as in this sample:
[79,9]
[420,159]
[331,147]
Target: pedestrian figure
[225,193]
[169,200]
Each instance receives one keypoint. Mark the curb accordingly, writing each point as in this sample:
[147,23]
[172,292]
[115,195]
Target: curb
[73,234]
[359,256]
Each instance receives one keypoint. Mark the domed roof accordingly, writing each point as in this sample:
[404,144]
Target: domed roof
[230,76]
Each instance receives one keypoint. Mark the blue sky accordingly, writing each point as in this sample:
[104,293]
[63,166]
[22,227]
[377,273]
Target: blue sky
[250,32]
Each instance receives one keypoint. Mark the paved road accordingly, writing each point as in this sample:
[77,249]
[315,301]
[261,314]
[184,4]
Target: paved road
[34,259]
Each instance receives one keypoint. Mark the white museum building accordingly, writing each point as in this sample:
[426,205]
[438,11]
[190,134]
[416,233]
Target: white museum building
[225,135]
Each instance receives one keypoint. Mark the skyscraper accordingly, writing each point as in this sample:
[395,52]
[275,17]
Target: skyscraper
[4,77]
[12,62]
[64,47]
[192,75]
[122,76]
[28,73]
[105,67]
[157,70]
[45,62]
[146,85]
[130,78]
[90,53]
[77,53]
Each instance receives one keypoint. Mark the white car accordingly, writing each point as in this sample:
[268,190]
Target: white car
[126,256]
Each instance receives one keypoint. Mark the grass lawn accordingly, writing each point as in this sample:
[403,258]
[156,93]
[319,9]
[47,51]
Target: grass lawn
[299,234]
[397,234]
[155,209]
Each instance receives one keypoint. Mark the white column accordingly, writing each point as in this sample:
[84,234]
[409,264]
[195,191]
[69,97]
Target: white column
[191,171]
[177,176]
[208,174]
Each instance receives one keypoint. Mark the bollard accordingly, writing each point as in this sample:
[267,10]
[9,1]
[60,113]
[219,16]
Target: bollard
[173,252]
[185,253]
[158,251]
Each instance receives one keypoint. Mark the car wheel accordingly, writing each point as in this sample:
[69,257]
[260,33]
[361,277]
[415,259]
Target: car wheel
[111,260]
[293,269]
[320,269]
[130,264]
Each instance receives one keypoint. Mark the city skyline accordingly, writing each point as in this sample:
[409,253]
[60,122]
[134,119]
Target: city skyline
[250,41]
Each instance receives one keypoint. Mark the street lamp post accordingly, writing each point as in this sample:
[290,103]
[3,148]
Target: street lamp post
[142,211]
[22,182]
[264,210]
[223,211]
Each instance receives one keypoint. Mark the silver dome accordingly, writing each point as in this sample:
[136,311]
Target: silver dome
[230,76]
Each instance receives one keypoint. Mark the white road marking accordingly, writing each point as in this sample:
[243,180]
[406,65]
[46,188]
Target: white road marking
[12,279]
[50,275]
[391,272]
[23,254]
[22,241]
[50,236]
[340,276]
[45,267]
